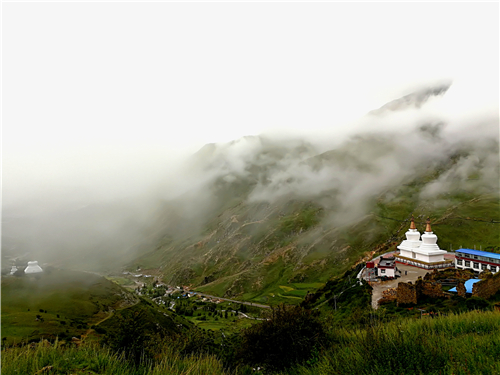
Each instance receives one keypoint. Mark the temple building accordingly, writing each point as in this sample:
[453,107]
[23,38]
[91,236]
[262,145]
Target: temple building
[422,251]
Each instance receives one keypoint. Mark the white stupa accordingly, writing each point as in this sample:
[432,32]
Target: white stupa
[423,252]
[33,267]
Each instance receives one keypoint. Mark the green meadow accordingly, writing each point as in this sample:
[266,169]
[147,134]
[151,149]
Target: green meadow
[55,303]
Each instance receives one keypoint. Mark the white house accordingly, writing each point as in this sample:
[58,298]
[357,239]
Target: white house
[421,251]
[386,267]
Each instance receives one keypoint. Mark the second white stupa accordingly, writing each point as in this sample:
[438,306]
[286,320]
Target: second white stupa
[33,267]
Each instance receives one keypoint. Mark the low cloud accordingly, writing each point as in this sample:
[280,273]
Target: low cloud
[343,171]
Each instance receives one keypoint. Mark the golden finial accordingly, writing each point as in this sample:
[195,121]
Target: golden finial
[412,225]
[428,227]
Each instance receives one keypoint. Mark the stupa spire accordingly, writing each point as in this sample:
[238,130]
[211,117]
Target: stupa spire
[412,225]
[428,226]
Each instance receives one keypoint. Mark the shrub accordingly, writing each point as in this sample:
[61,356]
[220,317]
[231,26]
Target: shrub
[131,337]
[288,337]
[476,303]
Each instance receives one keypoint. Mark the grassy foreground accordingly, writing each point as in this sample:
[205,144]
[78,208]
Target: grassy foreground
[93,359]
[457,344]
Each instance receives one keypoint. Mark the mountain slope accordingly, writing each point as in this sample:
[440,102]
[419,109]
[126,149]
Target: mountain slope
[299,218]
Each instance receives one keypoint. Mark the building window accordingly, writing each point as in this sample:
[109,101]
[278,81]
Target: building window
[476,265]
[414,255]
[382,271]
[459,262]
[467,255]
[483,266]
[467,263]
[493,268]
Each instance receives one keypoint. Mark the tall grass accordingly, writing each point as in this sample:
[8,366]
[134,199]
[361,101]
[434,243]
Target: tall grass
[93,359]
[457,344]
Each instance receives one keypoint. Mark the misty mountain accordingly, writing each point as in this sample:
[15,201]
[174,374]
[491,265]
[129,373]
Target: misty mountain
[282,211]
[416,99]
[242,217]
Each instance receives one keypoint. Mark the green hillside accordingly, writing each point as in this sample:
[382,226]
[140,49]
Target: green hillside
[259,249]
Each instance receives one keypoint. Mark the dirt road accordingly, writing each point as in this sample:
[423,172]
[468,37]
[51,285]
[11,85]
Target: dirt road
[232,300]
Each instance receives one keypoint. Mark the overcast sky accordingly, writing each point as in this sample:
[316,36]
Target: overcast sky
[103,94]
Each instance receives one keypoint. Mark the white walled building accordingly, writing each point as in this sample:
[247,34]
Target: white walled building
[477,260]
[422,250]
[386,267]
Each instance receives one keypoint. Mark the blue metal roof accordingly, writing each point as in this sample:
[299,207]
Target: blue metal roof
[468,286]
[479,253]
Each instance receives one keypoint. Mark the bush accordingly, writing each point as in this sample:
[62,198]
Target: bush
[100,330]
[288,337]
[132,338]
[476,303]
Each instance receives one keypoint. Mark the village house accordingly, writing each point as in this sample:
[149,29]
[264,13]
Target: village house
[387,267]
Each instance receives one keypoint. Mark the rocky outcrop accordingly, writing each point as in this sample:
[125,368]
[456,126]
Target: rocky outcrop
[487,287]
[388,296]
[461,289]
[406,294]
[431,289]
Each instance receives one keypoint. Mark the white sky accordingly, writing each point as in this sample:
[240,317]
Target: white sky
[103,93]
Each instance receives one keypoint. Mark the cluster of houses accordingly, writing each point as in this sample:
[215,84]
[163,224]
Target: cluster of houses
[180,292]
[422,251]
